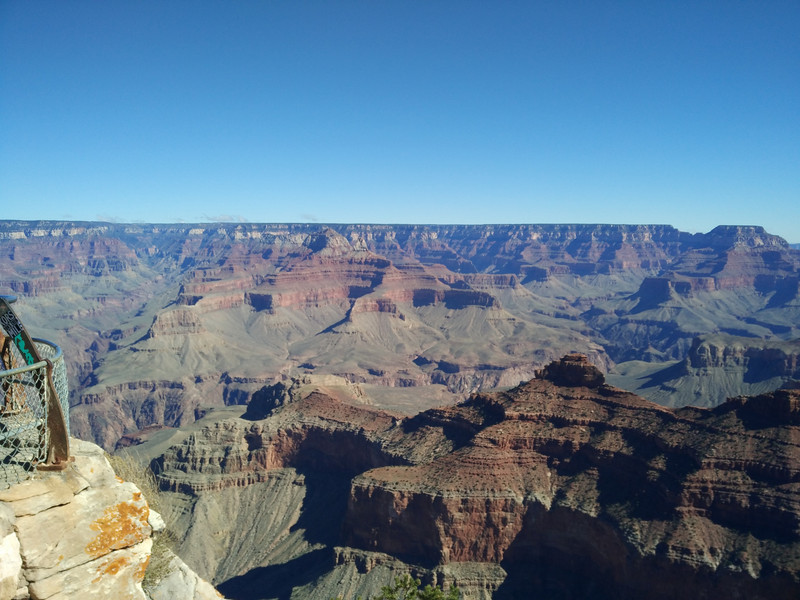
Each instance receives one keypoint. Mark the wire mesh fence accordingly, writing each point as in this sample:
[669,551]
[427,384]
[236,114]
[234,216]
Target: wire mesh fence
[23,409]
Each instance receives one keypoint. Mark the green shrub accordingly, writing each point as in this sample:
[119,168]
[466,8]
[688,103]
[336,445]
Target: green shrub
[408,588]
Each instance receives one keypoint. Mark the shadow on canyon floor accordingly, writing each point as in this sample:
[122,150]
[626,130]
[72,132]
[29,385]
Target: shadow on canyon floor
[321,523]
[278,581]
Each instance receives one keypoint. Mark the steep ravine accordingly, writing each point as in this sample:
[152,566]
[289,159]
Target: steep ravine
[563,486]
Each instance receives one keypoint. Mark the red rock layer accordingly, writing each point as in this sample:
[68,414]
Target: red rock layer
[570,485]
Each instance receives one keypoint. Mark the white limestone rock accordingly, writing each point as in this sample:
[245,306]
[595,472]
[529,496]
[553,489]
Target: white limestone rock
[99,521]
[10,566]
[84,533]
[91,463]
[115,575]
[183,584]
[156,522]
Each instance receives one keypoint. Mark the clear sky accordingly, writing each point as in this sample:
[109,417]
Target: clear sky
[383,111]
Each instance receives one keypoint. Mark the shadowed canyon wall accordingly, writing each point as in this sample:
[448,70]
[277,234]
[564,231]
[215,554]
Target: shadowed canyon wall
[563,487]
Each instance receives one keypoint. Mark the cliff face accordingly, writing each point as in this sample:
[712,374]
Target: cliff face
[82,533]
[161,320]
[759,361]
[719,366]
[564,486]
[107,547]
[705,503]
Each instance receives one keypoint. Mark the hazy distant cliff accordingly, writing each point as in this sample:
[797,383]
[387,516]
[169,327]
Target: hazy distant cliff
[162,320]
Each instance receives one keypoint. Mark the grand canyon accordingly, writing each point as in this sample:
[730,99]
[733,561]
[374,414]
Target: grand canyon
[562,411]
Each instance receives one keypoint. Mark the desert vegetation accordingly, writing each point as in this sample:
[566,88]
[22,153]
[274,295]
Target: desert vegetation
[408,588]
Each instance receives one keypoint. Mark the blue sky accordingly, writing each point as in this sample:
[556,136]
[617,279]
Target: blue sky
[686,113]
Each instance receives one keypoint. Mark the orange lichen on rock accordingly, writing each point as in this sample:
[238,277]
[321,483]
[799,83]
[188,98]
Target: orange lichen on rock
[111,567]
[139,575]
[121,525]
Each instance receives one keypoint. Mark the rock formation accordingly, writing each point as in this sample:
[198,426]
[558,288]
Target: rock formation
[83,533]
[160,321]
[561,487]
[717,367]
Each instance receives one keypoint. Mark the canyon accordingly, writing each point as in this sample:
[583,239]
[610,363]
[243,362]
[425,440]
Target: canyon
[328,406]
[161,322]
[562,487]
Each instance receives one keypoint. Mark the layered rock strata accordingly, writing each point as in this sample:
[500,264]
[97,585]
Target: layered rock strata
[570,487]
[161,320]
[605,484]
[720,366]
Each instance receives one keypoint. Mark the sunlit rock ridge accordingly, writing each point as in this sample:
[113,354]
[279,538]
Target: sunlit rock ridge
[562,487]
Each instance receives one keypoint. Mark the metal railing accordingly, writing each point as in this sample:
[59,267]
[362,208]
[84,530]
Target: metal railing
[24,399]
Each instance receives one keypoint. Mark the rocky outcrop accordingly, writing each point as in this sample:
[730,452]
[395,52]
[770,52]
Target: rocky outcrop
[756,358]
[721,366]
[106,551]
[271,397]
[781,407]
[563,484]
[318,432]
[84,533]
[657,290]
[182,582]
[573,370]
[630,492]
[177,321]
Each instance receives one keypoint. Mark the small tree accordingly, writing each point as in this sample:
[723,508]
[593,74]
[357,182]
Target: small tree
[408,588]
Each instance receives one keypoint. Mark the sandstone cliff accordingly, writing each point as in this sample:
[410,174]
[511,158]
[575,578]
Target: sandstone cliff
[84,533]
[606,486]
[563,487]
